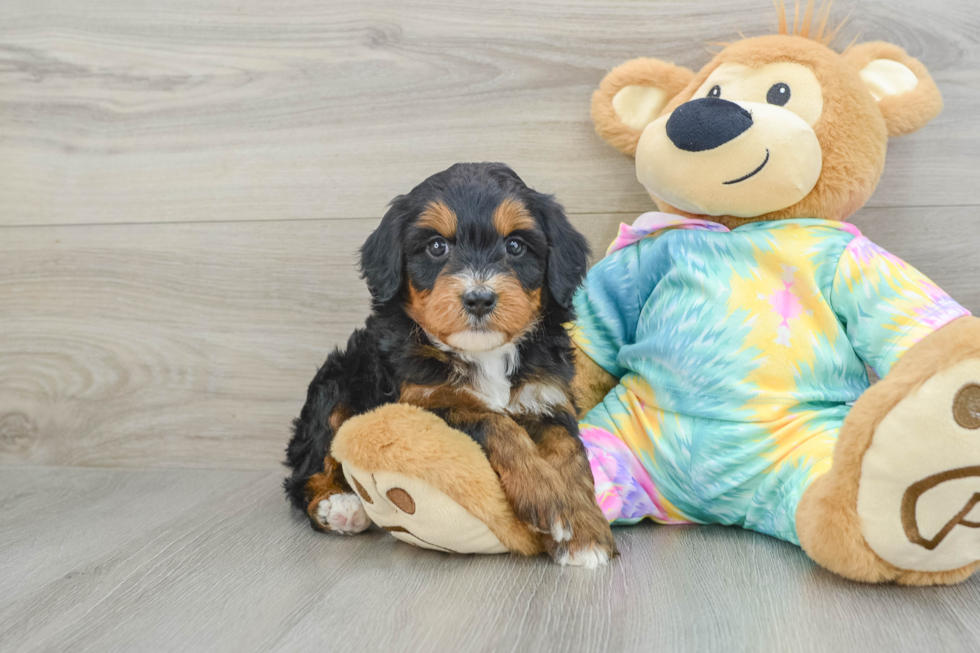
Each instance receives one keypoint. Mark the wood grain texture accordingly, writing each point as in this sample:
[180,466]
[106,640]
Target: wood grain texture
[191,345]
[176,560]
[113,111]
[174,344]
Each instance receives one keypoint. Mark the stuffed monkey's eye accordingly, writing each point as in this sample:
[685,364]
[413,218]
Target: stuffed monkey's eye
[715,91]
[437,247]
[515,247]
[778,94]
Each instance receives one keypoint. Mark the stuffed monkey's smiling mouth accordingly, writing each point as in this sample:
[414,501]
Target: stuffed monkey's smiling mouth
[751,174]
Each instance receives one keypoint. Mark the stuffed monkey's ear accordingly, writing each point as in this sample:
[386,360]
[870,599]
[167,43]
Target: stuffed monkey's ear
[632,96]
[904,89]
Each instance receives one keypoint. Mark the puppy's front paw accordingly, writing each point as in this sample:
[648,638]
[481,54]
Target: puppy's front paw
[590,543]
[342,513]
[589,557]
[589,550]
[561,529]
[546,513]
[920,478]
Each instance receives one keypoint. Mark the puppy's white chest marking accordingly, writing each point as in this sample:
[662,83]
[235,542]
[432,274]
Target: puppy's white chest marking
[490,375]
[537,399]
[489,381]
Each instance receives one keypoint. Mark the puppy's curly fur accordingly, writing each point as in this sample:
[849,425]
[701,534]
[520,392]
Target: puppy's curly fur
[471,275]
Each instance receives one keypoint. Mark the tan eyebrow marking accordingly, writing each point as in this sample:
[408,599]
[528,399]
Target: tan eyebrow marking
[512,215]
[440,217]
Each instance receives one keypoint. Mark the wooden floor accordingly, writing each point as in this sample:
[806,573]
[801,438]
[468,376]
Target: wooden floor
[183,185]
[199,560]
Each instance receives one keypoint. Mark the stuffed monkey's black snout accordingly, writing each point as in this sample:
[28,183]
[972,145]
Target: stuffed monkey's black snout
[706,123]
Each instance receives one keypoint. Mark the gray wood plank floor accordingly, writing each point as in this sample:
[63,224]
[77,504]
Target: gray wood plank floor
[183,186]
[251,110]
[174,560]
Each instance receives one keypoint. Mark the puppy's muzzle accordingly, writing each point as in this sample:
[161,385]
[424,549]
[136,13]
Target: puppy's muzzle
[479,302]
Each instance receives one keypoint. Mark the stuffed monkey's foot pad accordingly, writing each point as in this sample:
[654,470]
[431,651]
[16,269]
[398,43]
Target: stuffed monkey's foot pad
[417,513]
[919,492]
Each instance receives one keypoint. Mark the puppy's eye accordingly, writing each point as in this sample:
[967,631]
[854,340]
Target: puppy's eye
[515,247]
[778,94]
[715,91]
[437,247]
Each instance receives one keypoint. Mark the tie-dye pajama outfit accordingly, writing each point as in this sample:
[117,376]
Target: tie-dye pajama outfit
[740,353]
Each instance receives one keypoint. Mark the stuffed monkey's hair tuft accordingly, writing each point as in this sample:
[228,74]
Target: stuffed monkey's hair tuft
[814,23]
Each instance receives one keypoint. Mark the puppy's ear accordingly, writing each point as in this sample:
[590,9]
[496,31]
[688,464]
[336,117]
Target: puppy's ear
[381,254]
[904,89]
[568,250]
[632,96]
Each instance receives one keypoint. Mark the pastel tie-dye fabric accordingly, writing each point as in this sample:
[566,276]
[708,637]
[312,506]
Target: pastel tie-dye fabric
[739,353]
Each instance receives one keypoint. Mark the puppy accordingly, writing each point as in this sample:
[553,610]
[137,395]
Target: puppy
[471,277]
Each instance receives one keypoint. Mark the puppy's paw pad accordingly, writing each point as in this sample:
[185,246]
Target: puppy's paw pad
[591,557]
[343,513]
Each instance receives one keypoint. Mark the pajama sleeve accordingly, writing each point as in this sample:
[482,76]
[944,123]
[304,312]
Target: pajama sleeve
[608,308]
[886,305]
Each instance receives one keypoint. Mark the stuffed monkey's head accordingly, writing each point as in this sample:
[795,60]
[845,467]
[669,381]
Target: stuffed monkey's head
[774,127]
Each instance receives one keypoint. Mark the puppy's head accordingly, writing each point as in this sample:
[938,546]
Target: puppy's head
[475,257]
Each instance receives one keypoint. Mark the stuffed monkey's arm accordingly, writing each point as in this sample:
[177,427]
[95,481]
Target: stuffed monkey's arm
[886,305]
[591,382]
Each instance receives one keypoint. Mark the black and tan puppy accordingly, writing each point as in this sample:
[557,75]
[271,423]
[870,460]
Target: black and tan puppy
[471,276]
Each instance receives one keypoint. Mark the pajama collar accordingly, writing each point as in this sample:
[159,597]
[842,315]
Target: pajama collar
[654,221]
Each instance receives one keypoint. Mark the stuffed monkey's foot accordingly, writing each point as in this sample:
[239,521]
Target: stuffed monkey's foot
[902,501]
[428,484]
[920,480]
[342,513]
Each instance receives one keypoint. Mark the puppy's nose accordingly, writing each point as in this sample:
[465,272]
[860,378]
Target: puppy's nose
[706,123]
[479,301]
